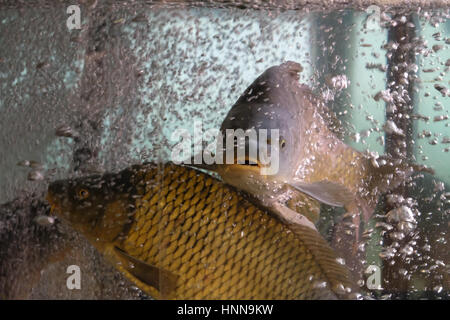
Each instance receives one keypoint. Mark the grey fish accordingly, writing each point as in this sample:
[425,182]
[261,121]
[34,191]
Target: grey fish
[312,158]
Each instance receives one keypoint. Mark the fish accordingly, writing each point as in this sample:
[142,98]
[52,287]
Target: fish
[179,233]
[313,159]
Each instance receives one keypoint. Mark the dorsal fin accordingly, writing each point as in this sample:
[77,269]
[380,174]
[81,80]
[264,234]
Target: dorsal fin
[336,274]
[327,114]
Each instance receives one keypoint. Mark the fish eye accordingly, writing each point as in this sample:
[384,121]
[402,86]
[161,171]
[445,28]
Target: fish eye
[83,193]
[282,143]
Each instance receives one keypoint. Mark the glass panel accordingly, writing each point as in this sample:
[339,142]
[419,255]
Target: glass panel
[92,89]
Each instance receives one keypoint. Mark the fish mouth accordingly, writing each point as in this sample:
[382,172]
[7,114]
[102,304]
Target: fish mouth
[247,163]
[249,160]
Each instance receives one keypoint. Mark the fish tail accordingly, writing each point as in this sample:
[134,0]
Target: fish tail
[388,173]
[381,175]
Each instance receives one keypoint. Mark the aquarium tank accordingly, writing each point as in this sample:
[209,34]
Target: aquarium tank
[91,88]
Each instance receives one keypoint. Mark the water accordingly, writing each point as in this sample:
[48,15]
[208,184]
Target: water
[112,93]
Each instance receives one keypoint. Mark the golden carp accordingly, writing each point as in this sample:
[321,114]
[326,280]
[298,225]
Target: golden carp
[178,233]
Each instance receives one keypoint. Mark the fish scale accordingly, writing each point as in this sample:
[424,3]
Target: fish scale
[217,243]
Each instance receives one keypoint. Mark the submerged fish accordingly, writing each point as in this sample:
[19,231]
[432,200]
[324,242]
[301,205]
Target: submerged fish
[182,234]
[312,159]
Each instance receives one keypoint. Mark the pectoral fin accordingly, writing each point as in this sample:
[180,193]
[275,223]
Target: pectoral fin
[331,193]
[290,216]
[162,280]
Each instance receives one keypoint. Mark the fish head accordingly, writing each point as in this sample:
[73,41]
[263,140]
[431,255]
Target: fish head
[263,147]
[97,206]
[275,114]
